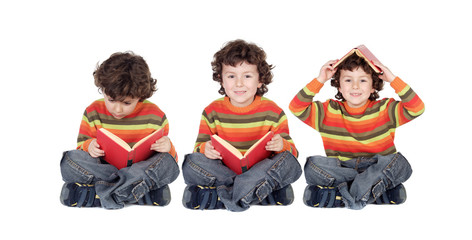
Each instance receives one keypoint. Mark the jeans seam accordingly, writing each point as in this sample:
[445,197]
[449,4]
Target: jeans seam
[274,166]
[148,170]
[392,168]
[394,159]
[76,166]
[198,169]
[253,190]
[277,163]
[319,170]
[374,187]
[291,178]
[136,184]
[158,160]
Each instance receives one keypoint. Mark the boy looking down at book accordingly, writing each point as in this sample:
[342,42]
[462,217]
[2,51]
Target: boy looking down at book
[90,181]
[242,117]
[362,164]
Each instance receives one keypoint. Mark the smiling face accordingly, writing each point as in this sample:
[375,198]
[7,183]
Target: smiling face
[240,83]
[356,87]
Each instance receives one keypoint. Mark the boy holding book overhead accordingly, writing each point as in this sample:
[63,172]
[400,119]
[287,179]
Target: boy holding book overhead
[362,165]
[94,174]
[242,117]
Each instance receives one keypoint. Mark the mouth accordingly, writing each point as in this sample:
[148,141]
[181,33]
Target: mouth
[239,92]
[356,94]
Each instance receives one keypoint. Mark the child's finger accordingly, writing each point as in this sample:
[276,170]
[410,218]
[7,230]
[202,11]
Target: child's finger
[214,154]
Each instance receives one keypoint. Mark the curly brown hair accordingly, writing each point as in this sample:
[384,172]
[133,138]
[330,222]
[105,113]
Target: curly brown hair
[125,74]
[351,63]
[236,52]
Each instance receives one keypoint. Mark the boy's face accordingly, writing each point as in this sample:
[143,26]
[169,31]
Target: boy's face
[356,87]
[120,109]
[240,83]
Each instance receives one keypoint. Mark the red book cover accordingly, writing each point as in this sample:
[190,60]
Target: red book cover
[363,52]
[118,152]
[233,158]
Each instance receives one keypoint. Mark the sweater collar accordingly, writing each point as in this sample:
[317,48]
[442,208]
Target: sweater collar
[252,106]
[358,110]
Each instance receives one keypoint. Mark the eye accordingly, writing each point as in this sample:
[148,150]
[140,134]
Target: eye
[248,76]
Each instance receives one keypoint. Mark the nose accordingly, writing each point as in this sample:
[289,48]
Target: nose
[355,85]
[239,81]
[118,108]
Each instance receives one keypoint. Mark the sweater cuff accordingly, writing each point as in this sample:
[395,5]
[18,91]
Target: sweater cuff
[173,152]
[86,144]
[315,86]
[398,85]
[202,148]
[287,146]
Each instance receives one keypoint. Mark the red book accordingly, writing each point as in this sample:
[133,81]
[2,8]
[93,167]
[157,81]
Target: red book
[120,154]
[363,52]
[233,158]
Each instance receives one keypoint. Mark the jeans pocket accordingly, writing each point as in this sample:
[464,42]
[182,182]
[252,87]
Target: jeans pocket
[71,170]
[285,170]
[398,171]
[378,189]
[315,175]
[263,190]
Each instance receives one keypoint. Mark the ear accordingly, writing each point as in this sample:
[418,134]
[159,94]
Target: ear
[259,85]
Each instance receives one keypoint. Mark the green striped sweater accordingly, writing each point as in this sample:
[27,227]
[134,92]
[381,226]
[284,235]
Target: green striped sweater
[357,132]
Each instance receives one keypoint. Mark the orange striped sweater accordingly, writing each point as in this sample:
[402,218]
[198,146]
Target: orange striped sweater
[242,127]
[357,132]
[146,118]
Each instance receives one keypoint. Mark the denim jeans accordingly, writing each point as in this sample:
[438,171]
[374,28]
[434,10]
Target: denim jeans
[360,180]
[237,192]
[117,187]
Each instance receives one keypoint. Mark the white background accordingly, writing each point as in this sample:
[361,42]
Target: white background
[50,49]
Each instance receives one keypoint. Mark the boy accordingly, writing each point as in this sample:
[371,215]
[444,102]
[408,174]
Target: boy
[242,117]
[126,83]
[362,165]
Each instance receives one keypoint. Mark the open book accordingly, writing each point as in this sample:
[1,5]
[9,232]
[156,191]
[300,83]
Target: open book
[363,52]
[120,154]
[233,158]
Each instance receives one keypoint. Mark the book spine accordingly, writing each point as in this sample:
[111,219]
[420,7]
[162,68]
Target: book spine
[131,155]
[244,164]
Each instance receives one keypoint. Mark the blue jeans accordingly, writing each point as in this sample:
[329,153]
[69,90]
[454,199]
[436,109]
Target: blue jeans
[237,192]
[360,180]
[117,187]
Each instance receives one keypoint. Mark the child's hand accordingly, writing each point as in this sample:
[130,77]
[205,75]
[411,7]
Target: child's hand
[327,71]
[210,151]
[276,144]
[94,149]
[387,75]
[162,145]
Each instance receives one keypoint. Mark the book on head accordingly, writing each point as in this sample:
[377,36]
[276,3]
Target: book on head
[363,52]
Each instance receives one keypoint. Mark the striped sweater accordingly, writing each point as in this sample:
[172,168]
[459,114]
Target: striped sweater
[243,126]
[357,132]
[146,118]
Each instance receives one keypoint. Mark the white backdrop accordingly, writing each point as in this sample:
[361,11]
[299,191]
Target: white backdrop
[51,48]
